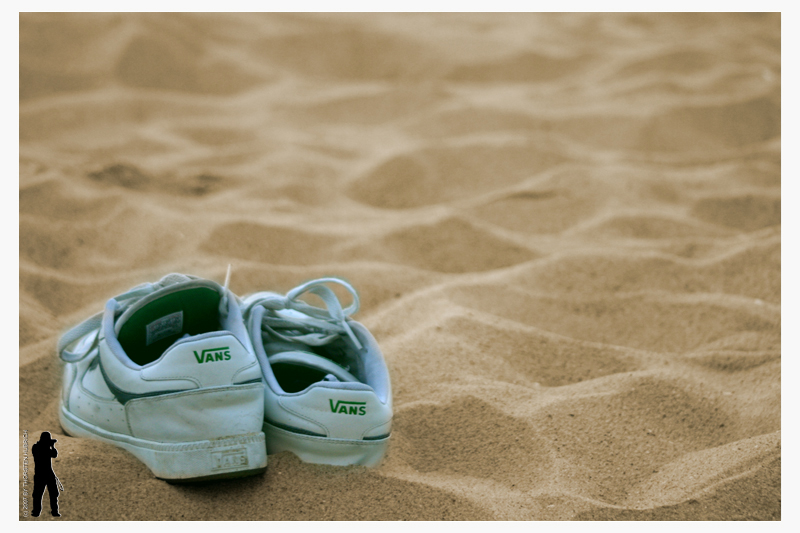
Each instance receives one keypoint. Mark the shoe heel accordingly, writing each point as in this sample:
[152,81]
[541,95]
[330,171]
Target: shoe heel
[228,457]
[180,462]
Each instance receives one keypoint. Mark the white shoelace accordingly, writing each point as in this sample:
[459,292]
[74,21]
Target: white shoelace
[124,301]
[318,326]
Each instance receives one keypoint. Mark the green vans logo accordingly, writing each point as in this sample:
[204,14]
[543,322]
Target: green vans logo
[213,354]
[349,408]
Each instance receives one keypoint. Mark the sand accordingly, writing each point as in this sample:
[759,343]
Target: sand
[565,231]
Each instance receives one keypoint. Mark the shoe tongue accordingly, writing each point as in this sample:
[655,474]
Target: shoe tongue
[151,325]
[314,362]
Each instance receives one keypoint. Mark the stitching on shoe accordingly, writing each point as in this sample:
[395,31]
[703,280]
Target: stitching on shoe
[242,370]
[248,438]
[332,441]
[379,425]
[304,417]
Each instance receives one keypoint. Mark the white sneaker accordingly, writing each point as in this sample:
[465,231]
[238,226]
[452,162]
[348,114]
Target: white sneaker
[168,373]
[328,397]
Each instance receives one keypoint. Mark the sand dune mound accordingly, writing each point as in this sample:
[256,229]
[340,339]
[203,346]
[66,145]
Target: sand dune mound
[747,213]
[270,244]
[653,422]
[35,320]
[681,62]
[370,109]
[443,174]
[759,451]
[565,232]
[62,296]
[59,53]
[52,200]
[526,67]
[748,496]
[118,114]
[754,271]
[651,227]
[505,352]
[90,247]
[488,444]
[555,204]
[130,177]
[682,324]
[349,52]
[471,121]
[169,63]
[750,272]
[451,245]
[738,361]
[684,129]
[137,51]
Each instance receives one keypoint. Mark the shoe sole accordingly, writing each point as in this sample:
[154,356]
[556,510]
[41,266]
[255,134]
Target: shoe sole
[325,450]
[181,462]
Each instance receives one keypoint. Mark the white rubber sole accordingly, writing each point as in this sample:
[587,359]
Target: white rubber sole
[324,450]
[227,457]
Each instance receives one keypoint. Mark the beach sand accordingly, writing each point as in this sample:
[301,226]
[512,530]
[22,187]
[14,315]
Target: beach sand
[564,229]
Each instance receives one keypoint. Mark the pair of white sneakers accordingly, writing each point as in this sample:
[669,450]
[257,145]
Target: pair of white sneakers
[199,384]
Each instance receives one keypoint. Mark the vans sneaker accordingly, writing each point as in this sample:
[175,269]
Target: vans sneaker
[168,373]
[328,397]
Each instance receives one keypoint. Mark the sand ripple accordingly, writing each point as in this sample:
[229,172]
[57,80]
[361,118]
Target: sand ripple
[565,230]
